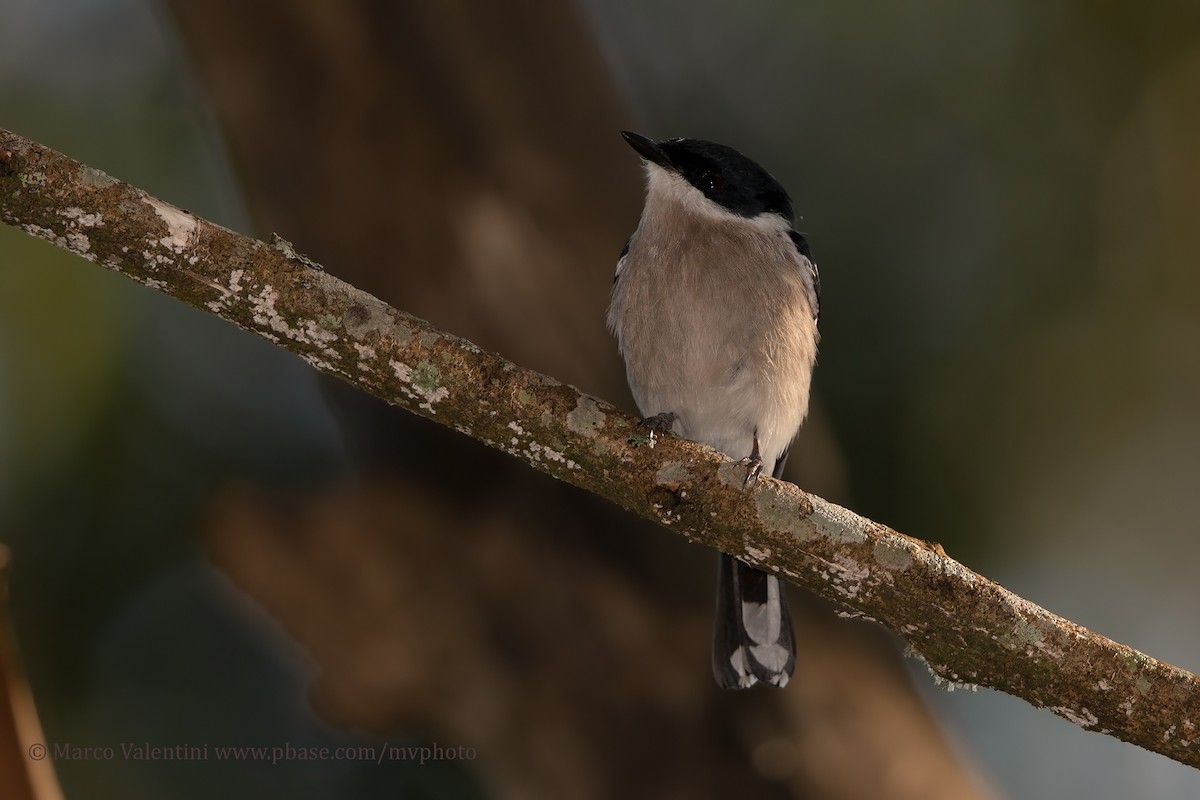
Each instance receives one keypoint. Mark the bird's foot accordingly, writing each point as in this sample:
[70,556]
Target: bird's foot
[754,467]
[658,425]
[753,463]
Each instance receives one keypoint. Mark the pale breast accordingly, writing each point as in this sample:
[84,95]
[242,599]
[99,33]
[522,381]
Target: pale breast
[729,347]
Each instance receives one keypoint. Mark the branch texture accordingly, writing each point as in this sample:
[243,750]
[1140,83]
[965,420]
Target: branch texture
[968,629]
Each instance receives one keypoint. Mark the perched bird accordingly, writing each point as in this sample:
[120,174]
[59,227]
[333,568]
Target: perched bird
[714,307]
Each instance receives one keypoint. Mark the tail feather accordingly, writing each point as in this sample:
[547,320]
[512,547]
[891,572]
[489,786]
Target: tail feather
[753,640]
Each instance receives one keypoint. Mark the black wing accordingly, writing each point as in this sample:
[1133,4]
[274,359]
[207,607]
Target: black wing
[621,261]
[802,246]
[777,472]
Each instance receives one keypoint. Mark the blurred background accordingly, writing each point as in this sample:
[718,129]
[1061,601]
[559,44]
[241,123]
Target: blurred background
[211,546]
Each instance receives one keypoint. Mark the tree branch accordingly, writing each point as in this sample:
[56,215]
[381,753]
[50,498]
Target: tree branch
[967,628]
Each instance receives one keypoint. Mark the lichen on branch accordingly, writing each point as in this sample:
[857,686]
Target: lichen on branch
[969,630]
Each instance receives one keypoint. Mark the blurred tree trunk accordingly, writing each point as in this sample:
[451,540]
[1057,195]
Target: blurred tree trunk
[461,160]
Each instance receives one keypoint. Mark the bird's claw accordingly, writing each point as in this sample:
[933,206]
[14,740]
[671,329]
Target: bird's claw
[658,425]
[753,463]
[754,467]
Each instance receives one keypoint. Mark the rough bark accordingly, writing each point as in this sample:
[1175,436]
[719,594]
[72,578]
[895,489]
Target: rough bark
[968,629]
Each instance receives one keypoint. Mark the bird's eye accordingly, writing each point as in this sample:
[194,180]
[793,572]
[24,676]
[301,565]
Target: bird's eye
[711,182]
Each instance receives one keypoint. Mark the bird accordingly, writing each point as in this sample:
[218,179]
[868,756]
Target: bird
[714,306]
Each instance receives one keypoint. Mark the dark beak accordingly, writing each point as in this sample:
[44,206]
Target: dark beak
[647,149]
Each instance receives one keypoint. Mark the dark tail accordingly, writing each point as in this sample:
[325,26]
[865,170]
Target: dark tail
[753,640]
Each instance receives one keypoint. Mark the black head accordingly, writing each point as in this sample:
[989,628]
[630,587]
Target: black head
[724,175]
